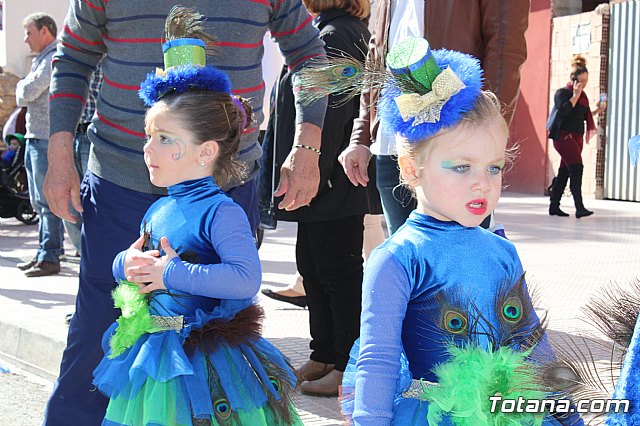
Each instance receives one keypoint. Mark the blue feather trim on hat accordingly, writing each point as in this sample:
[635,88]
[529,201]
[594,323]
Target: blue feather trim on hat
[467,68]
[181,79]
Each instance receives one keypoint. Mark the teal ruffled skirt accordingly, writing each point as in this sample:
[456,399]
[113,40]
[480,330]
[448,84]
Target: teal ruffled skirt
[227,376]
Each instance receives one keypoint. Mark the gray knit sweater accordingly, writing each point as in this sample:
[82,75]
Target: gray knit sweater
[129,35]
[33,92]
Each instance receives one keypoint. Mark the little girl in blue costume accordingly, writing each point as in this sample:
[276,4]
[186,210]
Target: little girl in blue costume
[187,348]
[446,321]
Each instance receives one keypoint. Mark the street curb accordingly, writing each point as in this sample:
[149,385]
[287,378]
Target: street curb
[35,353]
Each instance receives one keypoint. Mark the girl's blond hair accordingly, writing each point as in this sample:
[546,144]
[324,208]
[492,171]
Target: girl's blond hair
[487,108]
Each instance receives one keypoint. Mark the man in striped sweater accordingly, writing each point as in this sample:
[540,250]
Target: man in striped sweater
[127,36]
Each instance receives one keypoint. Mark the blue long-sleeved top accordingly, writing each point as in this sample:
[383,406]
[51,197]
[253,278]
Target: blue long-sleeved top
[424,263]
[211,234]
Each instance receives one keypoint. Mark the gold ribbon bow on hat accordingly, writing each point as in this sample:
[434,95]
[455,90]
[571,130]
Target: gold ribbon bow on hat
[426,108]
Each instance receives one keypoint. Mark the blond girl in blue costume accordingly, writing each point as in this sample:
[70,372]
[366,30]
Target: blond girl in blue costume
[447,321]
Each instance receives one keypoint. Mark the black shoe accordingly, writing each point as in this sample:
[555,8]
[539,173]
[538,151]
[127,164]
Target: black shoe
[583,213]
[23,266]
[300,301]
[555,211]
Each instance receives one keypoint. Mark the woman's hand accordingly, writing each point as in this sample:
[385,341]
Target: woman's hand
[355,160]
[146,269]
[578,86]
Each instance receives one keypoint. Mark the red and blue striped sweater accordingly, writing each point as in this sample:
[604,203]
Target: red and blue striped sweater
[129,35]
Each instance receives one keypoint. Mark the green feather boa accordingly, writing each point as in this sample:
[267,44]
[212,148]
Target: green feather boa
[135,319]
[471,376]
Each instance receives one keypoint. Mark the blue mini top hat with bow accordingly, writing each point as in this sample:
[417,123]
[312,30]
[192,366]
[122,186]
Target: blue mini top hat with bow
[430,89]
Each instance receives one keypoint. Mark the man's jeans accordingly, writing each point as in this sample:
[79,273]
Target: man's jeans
[50,229]
[81,148]
[397,200]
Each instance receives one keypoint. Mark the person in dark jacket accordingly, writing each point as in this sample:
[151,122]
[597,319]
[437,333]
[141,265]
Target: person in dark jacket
[491,30]
[330,228]
[567,130]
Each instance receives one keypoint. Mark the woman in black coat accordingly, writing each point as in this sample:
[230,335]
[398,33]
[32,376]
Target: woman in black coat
[330,229]
[567,130]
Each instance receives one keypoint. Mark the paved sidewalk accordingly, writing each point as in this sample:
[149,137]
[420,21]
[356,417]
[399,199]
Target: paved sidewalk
[567,261]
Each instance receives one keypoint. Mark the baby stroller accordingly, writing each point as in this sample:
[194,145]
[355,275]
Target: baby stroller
[14,190]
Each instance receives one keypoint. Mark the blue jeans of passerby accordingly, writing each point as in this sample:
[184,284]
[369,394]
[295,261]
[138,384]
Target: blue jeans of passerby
[266,184]
[81,148]
[397,200]
[112,216]
[50,228]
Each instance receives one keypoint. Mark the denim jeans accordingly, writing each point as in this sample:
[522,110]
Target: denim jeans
[265,185]
[397,200]
[50,229]
[81,148]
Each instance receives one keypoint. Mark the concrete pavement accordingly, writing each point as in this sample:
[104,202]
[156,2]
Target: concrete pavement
[567,261]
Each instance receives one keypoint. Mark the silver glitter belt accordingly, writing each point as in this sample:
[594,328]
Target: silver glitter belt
[416,389]
[161,323]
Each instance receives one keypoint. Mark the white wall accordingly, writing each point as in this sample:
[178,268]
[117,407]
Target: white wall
[14,52]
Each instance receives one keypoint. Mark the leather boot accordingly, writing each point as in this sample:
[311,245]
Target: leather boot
[575,185]
[557,189]
[313,370]
[325,386]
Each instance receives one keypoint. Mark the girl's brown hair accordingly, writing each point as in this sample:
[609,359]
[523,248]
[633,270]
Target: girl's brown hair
[214,116]
[361,9]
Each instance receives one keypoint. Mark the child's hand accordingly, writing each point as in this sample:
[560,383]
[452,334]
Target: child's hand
[136,257]
[148,272]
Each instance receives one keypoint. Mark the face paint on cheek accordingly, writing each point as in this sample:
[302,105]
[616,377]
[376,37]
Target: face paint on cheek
[179,144]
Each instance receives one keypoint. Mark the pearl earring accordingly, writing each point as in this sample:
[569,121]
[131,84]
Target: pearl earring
[202,163]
